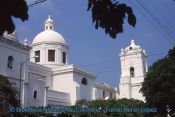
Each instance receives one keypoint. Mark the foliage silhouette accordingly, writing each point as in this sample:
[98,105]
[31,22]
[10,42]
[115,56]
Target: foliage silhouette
[9,9]
[107,14]
[159,84]
[110,15]
[8,96]
[108,108]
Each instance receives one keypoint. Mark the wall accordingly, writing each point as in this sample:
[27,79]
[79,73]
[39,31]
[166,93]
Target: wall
[18,54]
[39,79]
[68,79]
[86,91]
[107,94]
[36,82]
[63,82]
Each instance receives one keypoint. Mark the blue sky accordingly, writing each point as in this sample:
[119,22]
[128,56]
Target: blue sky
[93,49]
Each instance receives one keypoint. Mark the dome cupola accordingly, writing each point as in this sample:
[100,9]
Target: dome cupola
[49,46]
[49,35]
[49,24]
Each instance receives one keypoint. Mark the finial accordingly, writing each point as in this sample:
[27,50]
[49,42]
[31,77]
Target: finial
[122,51]
[49,17]
[49,24]
[26,42]
[132,40]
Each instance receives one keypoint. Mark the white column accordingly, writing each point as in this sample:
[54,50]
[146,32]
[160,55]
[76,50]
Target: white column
[22,86]
[45,93]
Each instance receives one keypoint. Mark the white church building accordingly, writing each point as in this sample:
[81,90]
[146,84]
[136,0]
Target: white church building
[47,78]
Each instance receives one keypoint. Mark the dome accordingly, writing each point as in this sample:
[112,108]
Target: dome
[49,36]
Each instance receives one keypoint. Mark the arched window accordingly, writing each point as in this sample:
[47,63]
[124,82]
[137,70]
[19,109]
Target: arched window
[110,95]
[51,27]
[10,62]
[84,81]
[130,48]
[132,74]
[35,94]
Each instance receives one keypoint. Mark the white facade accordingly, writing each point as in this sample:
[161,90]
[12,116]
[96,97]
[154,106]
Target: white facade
[12,55]
[47,79]
[73,78]
[133,69]
[105,92]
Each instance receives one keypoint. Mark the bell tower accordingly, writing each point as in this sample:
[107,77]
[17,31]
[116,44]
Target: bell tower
[133,69]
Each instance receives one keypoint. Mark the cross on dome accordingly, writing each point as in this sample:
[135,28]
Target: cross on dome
[49,19]
[49,24]
[132,42]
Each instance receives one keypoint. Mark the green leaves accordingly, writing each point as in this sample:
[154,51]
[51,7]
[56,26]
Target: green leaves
[111,108]
[110,16]
[8,94]
[159,84]
[106,14]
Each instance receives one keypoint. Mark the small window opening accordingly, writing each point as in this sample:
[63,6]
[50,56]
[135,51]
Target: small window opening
[110,95]
[64,57]
[37,53]
[104,94]
[10,62]
[51,55]
[84,81]
[35,94]
[132,74]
